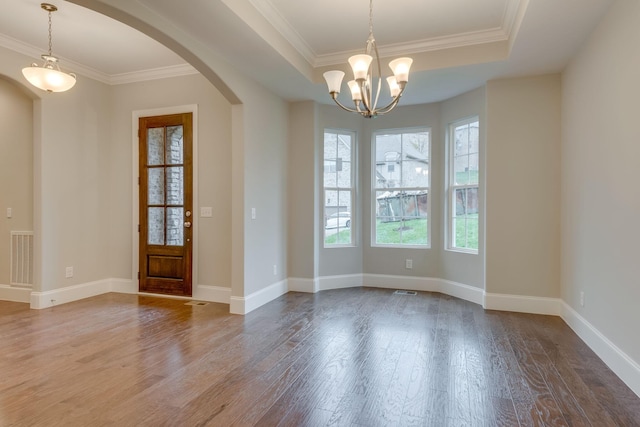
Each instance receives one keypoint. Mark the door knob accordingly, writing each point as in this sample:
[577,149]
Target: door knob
[187,224]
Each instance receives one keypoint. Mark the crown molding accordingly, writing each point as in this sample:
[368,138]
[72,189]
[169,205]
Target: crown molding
[421,46]
[275,18]
[511,19]
[153,74]
[80,69]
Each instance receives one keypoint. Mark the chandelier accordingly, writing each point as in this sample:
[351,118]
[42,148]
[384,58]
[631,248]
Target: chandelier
[362,88]
[49,77]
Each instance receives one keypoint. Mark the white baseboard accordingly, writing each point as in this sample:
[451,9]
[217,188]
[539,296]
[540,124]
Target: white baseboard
[425,284]
[124,286]
[70,293]
[326,283]
[67,294]
[617,360]
[244,305]
[212,293]
[523,304]
[15,293]
[298,284]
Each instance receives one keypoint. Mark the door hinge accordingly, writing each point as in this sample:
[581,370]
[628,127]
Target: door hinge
[138,180]
[138,228]
[138,275]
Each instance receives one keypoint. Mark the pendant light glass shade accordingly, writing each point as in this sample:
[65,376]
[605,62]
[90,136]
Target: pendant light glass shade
[48,76]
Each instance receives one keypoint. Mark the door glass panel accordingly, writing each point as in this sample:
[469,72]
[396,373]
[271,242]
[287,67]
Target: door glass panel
[175,186]
[175,228]
[155,226]
[155,186]
[155,146]
[174,145]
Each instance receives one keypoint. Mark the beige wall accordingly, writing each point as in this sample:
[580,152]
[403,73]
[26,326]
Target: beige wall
[265,187]
[600,196]
[345,260]
[426,262]
[213,163]
[302,190]
[307,125]
[74,184]
[457,266]
[522,186]
[16,168]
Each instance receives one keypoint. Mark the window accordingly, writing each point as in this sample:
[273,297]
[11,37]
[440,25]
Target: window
[400,184]
[338,185]
[464,148]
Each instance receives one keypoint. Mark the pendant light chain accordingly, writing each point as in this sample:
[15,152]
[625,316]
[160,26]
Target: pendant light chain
[50,50]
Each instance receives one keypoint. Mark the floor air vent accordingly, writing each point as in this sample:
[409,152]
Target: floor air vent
[399,292]
[196,303]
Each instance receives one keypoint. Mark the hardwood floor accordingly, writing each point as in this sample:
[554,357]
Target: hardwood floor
[350,357]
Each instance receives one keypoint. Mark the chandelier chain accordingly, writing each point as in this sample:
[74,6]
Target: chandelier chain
[370,18]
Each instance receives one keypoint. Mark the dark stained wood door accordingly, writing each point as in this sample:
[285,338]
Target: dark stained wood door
[166,204]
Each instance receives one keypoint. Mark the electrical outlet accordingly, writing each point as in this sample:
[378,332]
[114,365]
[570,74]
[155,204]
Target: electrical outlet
[275,269]
[68,272]
[582,299]
[408,263]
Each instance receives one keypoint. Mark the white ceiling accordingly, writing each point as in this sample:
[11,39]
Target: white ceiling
[457,45]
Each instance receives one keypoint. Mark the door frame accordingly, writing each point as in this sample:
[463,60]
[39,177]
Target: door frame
[135,215]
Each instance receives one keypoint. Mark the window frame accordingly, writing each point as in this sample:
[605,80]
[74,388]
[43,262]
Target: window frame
[374,189]
[352,189]
[452,187]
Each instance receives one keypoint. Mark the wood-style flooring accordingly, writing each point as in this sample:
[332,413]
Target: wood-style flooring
[349,357]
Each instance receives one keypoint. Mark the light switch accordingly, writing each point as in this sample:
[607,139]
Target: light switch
[9,213]
[206,212]
[253,213]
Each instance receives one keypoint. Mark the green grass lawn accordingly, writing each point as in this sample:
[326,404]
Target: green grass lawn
[341,238]
[413,233]
[471,231]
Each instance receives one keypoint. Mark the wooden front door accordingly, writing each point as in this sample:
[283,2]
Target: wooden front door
[166,203]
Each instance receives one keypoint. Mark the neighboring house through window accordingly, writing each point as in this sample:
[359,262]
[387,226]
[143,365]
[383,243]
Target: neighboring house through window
[464,151]
[400,181]
[339,184]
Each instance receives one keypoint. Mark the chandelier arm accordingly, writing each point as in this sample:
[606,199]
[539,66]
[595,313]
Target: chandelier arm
[365,94]
[390,106]
[369,96]
[334,96]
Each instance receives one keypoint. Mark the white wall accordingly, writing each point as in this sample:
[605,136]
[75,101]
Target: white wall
[522,186]
[16,168]
[600,196]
